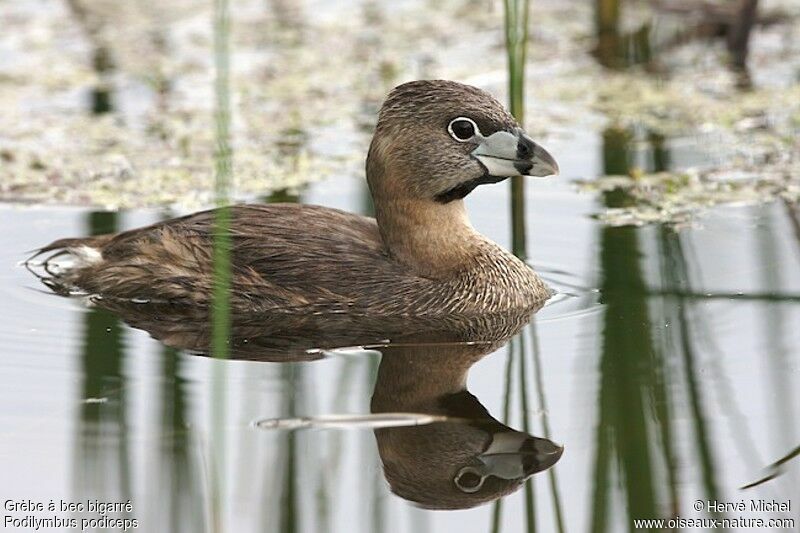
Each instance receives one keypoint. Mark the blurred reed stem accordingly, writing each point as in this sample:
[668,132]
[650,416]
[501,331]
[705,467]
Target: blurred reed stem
[516,31]
[220,307]
[220,298]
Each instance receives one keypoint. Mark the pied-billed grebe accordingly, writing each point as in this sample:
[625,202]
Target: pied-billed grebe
[435,141]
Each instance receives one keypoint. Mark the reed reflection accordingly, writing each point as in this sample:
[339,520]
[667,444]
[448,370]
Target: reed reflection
[639,366]
[102,452]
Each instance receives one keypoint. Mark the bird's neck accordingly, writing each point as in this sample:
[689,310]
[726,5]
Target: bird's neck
[414,377]
[435,240]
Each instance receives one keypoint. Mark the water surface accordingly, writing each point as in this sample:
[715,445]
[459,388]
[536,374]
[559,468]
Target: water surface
[667,367]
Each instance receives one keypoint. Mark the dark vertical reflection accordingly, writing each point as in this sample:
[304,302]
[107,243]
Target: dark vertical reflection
[497,506]
[663,411]
[626,365]
[281,196]
[379,514]
[676,276]
[660,159]
[615,49]
[616,155]
[289,496]
[102,465]
[518,343]
[627,353]
[793,215]
[184,509]
[101,97]
[635,432]
[739,33]
[607,14]
[519,350]
[539,383]
[775,331]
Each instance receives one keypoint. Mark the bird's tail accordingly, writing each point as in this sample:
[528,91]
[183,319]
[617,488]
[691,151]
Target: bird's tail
[57,264]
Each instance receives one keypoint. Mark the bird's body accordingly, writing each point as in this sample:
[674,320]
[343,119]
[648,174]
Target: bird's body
[419,256]
[295,258]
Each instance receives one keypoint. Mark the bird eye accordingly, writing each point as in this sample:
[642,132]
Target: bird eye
[462,129]
[469,481]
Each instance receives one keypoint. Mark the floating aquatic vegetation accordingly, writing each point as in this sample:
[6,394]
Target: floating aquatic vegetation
[674,198]
[306,82]
[747,144]
[744,144]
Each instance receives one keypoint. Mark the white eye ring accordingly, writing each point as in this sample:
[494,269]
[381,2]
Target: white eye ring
[475,130]
[466,488]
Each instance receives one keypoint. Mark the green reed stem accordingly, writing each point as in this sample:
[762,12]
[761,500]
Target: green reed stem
[516,32]
[220,307]
[220,297]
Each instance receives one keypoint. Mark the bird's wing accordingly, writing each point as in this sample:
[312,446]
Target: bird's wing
[281,256]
